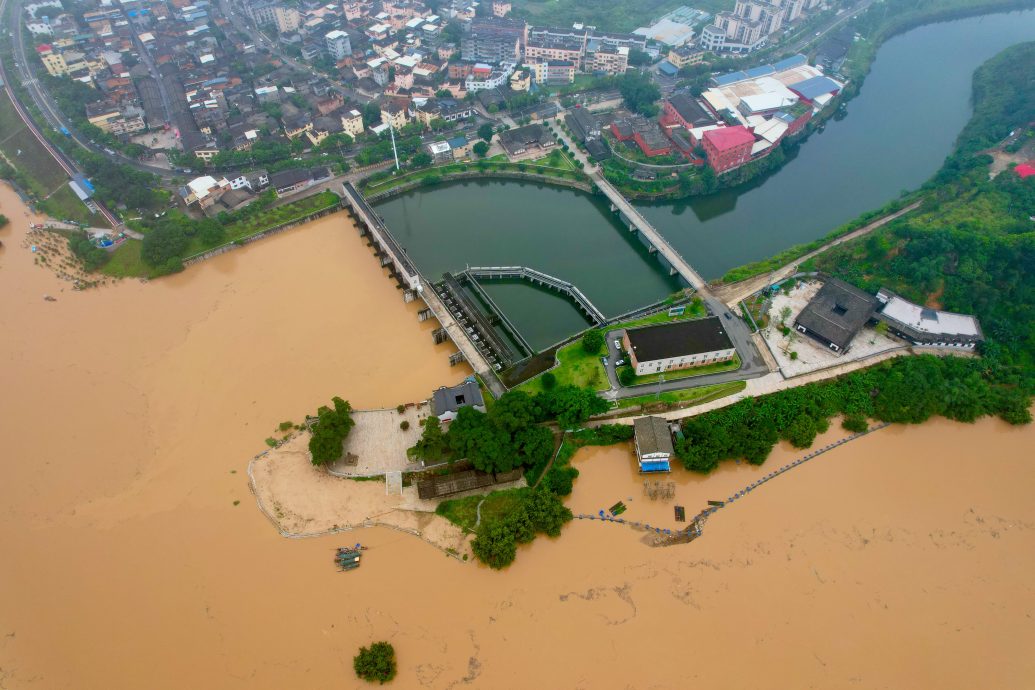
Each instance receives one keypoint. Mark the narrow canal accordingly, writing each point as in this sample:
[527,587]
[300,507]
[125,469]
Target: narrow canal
[895,134]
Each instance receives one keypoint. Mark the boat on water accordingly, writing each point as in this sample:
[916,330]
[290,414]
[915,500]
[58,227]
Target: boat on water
[348,557]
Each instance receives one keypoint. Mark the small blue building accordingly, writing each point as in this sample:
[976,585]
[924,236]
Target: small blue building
[653,444]
[667,68]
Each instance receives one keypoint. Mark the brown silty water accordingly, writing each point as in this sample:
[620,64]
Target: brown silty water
[129,414]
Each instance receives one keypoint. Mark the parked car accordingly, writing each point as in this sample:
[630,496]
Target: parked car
[728,316]
[618,344]
[604,360]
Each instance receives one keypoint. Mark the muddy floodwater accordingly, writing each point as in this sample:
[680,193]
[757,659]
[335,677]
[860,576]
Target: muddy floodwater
[129,414]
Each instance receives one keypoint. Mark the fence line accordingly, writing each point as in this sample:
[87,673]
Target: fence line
[737,494]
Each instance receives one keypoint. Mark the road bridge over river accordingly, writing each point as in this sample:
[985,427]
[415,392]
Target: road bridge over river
[656,243]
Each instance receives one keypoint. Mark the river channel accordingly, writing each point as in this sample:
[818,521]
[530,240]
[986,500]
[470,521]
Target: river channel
[895,134]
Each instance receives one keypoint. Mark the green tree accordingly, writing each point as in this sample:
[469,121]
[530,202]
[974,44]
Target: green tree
[432,445]
[480,149]
[546,511]
[375,664]
[494,544]
[164,246]
[485,131]
[639,92]
[627,376]
[333,425]
[592,341]
[421,160]
[549,381]
[571,406]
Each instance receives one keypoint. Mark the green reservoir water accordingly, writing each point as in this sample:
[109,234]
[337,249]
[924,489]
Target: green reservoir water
[895,134]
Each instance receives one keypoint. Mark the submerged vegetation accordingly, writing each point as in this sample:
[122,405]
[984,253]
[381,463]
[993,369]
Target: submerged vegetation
[375,664]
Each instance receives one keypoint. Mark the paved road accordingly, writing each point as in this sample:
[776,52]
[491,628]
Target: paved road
[731,293]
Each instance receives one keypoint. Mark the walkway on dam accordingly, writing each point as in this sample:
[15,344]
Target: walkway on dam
[540,278]
[394,256]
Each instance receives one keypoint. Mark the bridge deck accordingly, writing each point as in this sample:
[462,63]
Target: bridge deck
[679,264]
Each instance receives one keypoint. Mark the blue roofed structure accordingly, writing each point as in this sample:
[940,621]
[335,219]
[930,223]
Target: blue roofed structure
[759,71]
[731,78]
[813,88]
[667,68]
[793,61]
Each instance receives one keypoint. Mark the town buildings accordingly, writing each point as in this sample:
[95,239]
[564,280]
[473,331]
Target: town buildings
[678,345]
[750,24]
[530,139]
[493,39]
[727,147]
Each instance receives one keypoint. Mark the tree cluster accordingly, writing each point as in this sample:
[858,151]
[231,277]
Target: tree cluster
[376,663]
[639,92]
[539,512]
[333,425]
[909,390]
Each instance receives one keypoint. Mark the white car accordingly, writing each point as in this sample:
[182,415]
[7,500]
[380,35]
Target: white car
[618,344]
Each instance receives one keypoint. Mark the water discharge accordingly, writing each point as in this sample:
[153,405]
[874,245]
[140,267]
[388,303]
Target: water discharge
[129,414]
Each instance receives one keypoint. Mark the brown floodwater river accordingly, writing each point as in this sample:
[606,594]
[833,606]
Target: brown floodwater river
[129,413]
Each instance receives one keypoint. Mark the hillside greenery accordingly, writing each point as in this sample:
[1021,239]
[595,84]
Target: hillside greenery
[970,248]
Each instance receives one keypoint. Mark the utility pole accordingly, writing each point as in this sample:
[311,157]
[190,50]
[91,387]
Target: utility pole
[391,130]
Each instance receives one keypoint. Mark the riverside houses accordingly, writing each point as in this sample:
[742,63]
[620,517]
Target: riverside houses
[680,345]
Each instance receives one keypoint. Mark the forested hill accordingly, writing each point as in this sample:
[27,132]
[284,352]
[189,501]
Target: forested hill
[971,248]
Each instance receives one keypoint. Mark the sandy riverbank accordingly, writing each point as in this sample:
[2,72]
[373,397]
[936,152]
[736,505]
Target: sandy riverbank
[303,501]
[901,560]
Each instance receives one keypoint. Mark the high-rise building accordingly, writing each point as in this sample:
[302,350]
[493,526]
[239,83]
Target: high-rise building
[751,23]
[287,19]
[493,39]
[338,44]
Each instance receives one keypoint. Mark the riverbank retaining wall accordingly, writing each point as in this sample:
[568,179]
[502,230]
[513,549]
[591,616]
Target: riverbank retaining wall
[482,175]
[229,246]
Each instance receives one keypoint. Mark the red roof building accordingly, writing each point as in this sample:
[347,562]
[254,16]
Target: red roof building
[1025,169]
[728,147]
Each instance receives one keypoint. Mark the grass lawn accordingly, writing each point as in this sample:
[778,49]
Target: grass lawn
[64,204]
[731,365]
[463,512]
[576,367]
[33,161]
[701,394]
[694,310]
[125,262]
